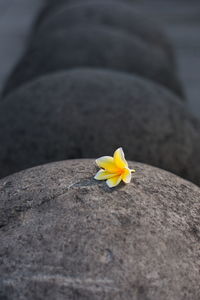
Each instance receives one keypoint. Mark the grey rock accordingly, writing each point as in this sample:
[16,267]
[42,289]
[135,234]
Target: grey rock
[57,4]
[118,15]
[93,46]
[50,7]
[87,113]
[66,236]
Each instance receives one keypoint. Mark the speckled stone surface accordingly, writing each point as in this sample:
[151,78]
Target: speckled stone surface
[119,15]
[66,236]
[89,113]
[93,46]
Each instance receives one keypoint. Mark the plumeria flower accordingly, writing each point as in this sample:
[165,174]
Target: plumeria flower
[113,169]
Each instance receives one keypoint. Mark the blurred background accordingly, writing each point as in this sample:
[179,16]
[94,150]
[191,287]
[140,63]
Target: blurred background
[180,18]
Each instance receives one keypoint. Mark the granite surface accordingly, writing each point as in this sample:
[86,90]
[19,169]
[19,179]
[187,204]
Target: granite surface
[66,236]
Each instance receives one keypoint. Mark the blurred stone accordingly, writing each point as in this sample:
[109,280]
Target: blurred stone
[50,7]
[57,4]
[89,113]
[93,46]
[66,236]
[16,22]
[118,15]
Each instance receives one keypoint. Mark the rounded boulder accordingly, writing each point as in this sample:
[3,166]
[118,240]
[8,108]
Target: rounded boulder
[118,15]
[87,113]
[66,236]
[93,46]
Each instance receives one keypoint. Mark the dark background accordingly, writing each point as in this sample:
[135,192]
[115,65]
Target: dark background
[180,18]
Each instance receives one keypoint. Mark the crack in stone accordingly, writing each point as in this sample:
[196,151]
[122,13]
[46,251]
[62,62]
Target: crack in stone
[95,285]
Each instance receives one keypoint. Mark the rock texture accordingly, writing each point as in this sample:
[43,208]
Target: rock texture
[93,46]
[118,15]
[87,113]
[66,236]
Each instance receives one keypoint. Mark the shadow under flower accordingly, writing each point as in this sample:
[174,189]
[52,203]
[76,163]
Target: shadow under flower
[90,181]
